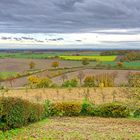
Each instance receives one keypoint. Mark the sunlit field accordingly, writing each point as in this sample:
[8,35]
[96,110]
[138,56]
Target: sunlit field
[98,58]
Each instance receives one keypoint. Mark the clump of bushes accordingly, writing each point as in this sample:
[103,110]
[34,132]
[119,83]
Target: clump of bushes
[44,83]
[15,112]
[70,83]
[35,81]
[115,110]
[67,109]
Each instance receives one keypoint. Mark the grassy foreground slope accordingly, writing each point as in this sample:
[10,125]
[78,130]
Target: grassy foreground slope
[77,128]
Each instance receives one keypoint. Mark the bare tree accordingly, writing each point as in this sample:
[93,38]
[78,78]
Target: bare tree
[64,77]
[11,80]
[81,76]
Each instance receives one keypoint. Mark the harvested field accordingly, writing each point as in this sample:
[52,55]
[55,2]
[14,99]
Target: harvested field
[78,128]
[120,79]
[20,65]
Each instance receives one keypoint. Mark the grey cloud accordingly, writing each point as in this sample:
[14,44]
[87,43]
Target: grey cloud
[78,40]
[56,39]
[64,16]
[6,38]
[27,38]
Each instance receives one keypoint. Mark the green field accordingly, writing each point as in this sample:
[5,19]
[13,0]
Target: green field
[5,75]
[31,55]
[126,64]
[63,55]
[100,58]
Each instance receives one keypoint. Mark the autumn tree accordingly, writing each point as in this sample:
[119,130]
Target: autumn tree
[32,65]
[39,82]
[120,64]
[55,64]
[85,61]
[33,80]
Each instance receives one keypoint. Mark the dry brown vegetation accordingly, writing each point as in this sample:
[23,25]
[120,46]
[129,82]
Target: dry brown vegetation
[95,95]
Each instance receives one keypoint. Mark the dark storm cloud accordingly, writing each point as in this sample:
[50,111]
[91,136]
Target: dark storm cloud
[66,16]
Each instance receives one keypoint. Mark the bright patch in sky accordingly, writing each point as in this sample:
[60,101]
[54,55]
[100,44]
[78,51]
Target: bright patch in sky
[101,37]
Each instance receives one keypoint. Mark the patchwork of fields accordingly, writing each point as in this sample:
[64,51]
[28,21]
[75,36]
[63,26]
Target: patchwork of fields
[103,79]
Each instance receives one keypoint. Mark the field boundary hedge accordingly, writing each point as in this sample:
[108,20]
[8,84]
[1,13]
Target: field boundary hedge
[16,112]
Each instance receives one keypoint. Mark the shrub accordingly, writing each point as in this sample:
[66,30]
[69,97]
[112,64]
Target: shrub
[85,61]
[70,83]
[137,113]
[15,112]
[48,108]
[87,108]
[36,112]
[33,80]
[67,109]
[39,82]
[115,110]
[44,83]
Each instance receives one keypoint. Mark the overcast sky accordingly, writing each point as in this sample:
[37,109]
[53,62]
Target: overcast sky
[70,22]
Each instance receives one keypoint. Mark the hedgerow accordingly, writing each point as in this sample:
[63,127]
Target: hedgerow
[15,112]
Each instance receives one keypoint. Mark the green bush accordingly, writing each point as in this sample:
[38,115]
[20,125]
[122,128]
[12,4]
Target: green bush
[137,113]
[87,108]
[36,111]
[67,109]
[48,108]
[115,110]
[15,112]
[70,83]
